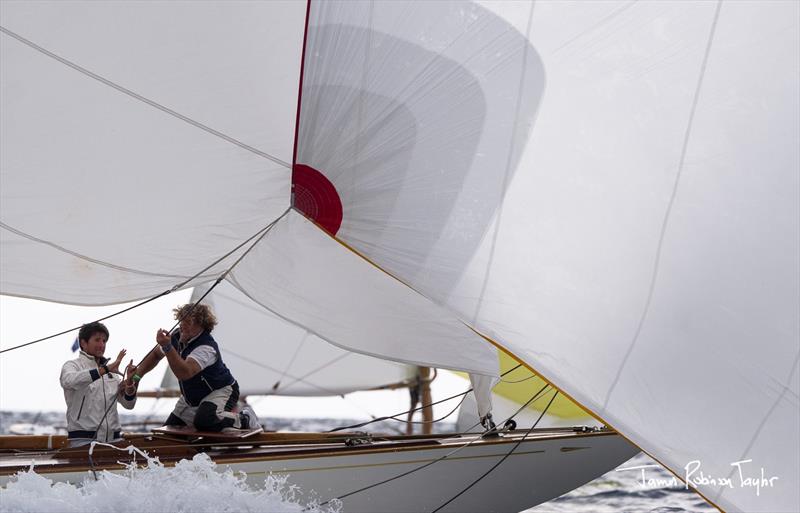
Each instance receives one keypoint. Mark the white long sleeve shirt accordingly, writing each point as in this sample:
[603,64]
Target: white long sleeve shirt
[89,395]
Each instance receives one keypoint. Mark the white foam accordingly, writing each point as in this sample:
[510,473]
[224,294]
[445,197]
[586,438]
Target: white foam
[195,485]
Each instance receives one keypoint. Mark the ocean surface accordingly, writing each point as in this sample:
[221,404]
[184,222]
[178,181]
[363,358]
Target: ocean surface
[195,486]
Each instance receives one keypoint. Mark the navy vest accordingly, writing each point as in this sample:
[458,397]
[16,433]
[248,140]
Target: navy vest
[213,377]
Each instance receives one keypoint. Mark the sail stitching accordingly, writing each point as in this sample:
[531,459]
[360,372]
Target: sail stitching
[763,422]
[143,99]
[670,204]
[506,174]
[88,258]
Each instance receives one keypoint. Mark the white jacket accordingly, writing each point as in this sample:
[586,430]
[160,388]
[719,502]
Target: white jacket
[88,396]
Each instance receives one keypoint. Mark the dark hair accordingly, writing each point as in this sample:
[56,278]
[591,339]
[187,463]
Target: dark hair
[201,314]
[88,330]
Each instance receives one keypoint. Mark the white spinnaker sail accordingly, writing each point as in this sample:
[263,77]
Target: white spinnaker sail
[140,194]
[271,356]
[608,190]
[142,141]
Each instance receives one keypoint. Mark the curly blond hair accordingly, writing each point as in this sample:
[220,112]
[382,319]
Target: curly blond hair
[199,314]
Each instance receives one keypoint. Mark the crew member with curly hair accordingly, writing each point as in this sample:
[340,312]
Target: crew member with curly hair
[209,392]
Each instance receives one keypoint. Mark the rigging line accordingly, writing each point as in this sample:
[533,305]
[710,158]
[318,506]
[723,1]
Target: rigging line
[273,369]
[388,417]
[284,373]
[291,361]
[222,276]
[143,99]
[665,221]
[168,291]
[79,327]
[456,450]
[264,231]
[504,458]
[515,381]
[463,398]
[84,257]
[461,447]
[321,367]
[415,409]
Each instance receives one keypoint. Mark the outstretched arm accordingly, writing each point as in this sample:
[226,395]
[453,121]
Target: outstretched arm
[149,362]
[183,369]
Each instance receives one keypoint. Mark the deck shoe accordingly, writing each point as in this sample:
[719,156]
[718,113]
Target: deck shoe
[248,418]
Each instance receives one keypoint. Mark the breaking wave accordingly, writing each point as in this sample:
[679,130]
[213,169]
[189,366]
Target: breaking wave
[195,485]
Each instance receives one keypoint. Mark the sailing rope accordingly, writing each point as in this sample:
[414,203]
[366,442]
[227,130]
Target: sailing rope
[262,232]
[504,458]
[392,417]
[451,453]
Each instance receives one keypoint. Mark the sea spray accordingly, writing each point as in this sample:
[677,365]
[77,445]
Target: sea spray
[195,485]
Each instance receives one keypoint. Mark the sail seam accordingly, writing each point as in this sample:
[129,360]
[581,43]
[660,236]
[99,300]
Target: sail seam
[142,99]
[512,145]
[763,422]
[90,259]
[670,204]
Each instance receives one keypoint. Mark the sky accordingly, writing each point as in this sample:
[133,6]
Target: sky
[29,376]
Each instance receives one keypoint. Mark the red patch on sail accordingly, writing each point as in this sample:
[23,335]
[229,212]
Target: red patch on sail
[316,197]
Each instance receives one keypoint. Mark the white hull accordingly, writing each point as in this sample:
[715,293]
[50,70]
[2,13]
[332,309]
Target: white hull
[541,468]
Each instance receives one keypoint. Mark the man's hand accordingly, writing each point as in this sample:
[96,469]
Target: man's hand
[130,370]
[114,366]
[163,338]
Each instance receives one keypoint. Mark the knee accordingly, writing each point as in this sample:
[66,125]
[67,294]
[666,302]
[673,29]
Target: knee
[206,417]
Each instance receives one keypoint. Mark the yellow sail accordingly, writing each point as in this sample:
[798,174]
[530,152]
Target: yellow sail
[520,385]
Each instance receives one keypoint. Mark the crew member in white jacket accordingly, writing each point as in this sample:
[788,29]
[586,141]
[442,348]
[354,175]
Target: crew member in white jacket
[91,386]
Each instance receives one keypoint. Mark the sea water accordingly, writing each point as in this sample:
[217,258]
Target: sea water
[199,485]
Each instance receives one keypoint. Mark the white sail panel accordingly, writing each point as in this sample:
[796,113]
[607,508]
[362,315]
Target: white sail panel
[308,278]
[167,148]
[407,109]
[270,356]
[641,249]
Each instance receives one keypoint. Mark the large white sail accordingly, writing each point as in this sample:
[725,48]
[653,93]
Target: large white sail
[608,190]
[121,176]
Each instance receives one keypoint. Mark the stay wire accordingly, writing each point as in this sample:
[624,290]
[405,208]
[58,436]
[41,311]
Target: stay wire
[436,420]
[388,417]
[504,458]
[451,453]
[264,231]
[168,291]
